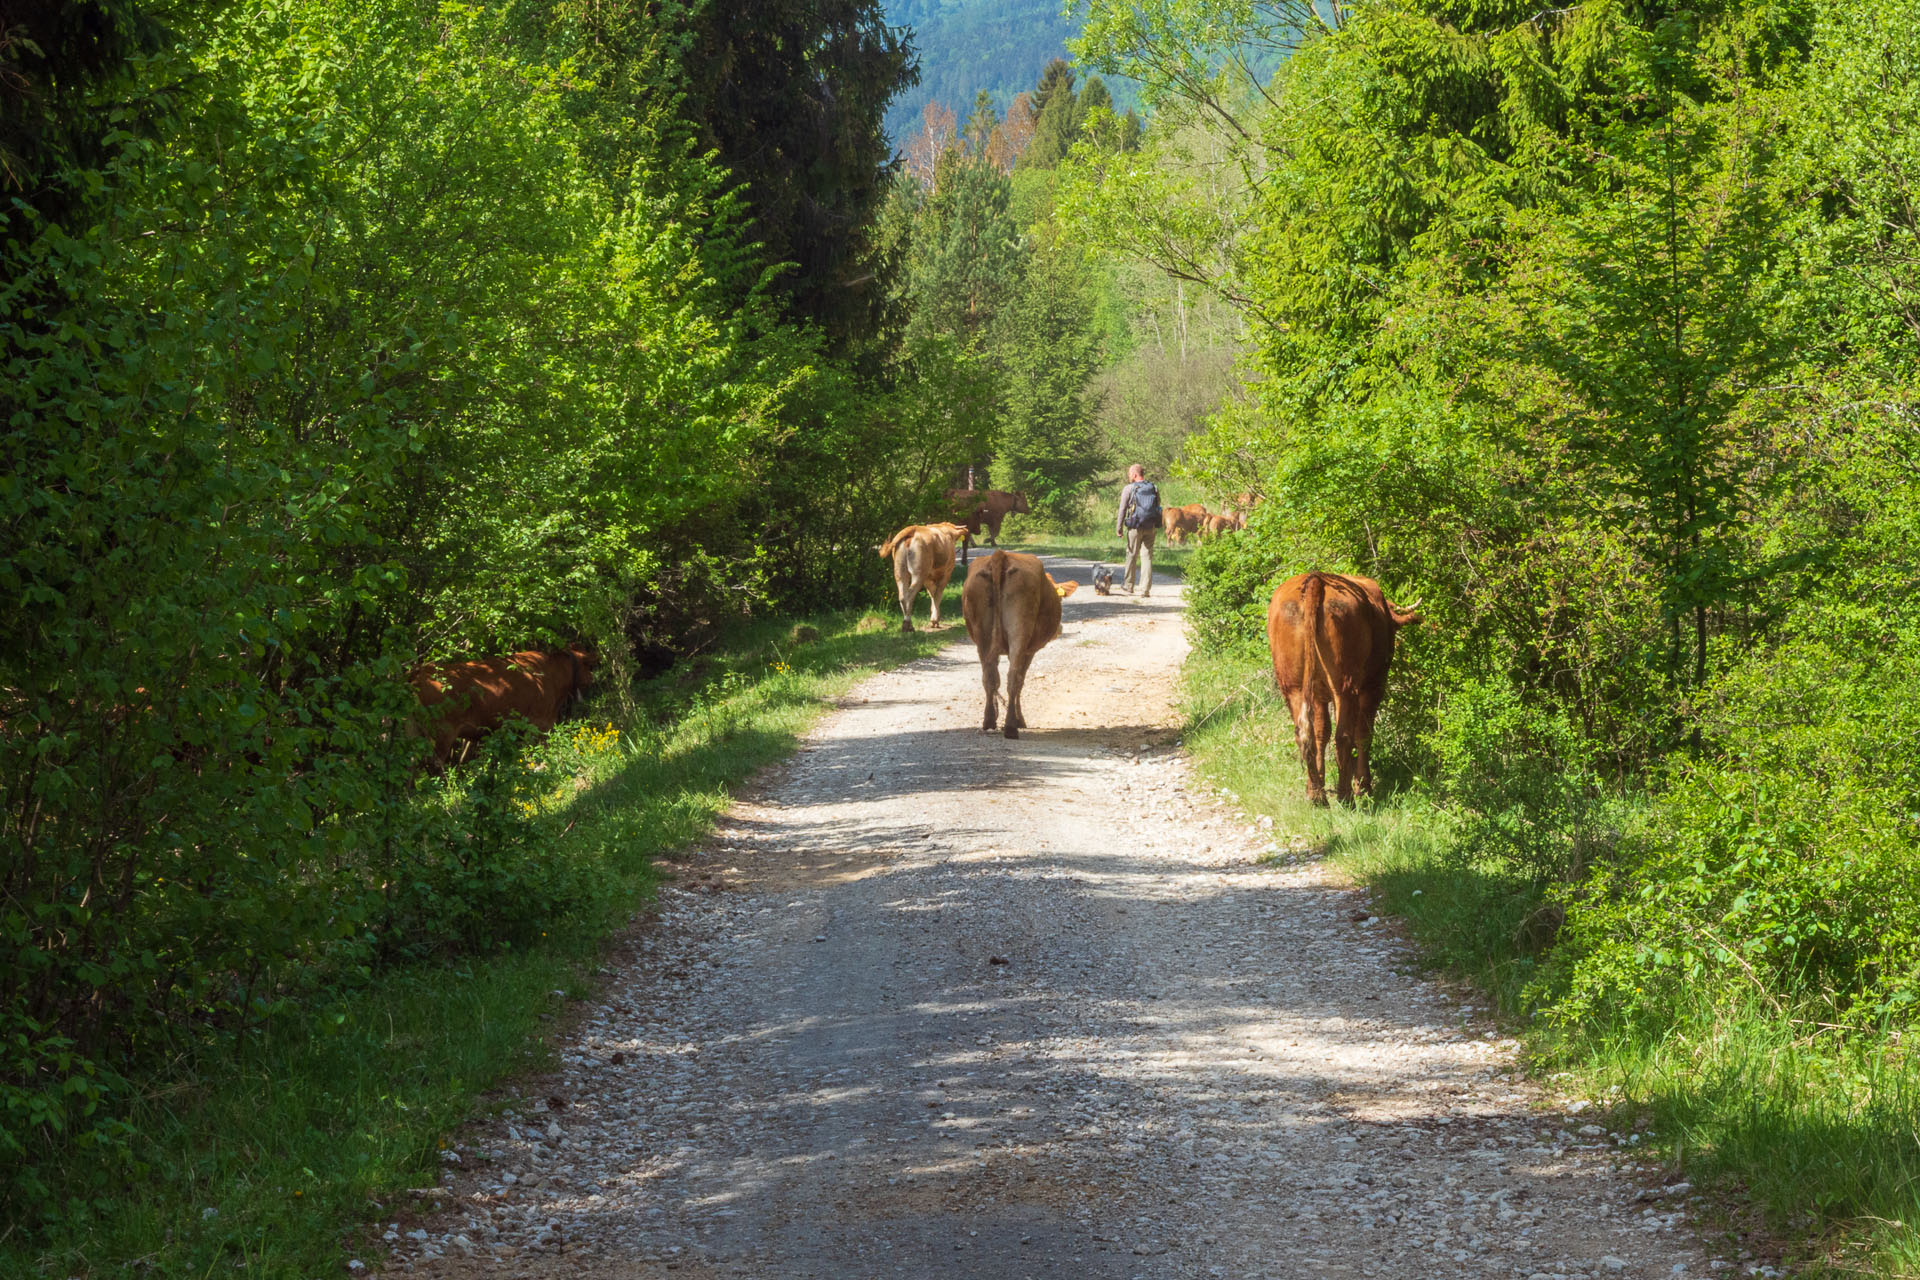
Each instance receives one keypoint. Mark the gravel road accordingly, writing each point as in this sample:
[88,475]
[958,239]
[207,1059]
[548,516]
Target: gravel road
[937,1004]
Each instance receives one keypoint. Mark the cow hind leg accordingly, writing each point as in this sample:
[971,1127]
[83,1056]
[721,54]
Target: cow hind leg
[936,588]
[990,680]
[1365,712]
[1016,681]
[907,592]
[1310,735]
[1344,743]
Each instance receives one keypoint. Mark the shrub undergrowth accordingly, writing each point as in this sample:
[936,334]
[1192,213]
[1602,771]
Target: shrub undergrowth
[261,1149]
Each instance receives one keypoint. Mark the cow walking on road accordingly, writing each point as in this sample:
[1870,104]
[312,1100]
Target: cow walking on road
[922,561]
[1013,609]
[1331,636]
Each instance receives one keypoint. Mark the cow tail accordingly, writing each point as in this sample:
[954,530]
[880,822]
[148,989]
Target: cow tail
[997,575]
[886,548]
[1313,611]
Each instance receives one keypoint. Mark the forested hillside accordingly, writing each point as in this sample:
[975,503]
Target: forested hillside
[1592,328]
[965,46]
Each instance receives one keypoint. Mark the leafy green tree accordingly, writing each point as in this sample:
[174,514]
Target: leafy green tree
[967,250]
[1047,343]
[1655,307]
[792,94]
[370,357]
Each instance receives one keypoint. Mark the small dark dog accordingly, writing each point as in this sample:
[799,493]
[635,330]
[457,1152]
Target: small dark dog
[1103,580]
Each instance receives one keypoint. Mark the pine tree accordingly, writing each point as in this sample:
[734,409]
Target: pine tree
[1055,128]
[982,123]
[1058,77]
[792,94]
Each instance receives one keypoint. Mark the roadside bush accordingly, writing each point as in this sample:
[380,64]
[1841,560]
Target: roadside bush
[359,360]
[488,872]
[1780,868]
[1517,781]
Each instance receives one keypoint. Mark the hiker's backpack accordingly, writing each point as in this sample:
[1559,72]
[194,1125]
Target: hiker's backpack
[1146,506]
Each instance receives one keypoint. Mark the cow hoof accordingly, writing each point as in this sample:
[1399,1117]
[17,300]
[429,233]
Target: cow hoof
[1011,731]
[906,628]
[1318,801]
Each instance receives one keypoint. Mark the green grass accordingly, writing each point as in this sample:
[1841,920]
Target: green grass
[1465,919]
[277,1155]
[1810,1148]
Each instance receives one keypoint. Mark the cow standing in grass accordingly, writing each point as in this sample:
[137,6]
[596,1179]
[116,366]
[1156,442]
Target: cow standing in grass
[1331,636]
[463,702]
[922,557]
[1179,523]
[988,507]
[1225,522]
[1012,608]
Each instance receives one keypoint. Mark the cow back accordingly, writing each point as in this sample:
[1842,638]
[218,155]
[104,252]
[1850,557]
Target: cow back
[1010,605]
[471,699]
[1331,629]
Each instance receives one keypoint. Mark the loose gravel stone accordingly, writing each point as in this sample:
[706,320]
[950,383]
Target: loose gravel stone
[932,1003]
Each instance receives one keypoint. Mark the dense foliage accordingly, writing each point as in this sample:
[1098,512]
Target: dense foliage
[1085,361]
[341,336]
[1593,327]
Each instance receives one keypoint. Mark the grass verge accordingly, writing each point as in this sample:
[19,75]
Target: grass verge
[1809,1147]
[272,1155]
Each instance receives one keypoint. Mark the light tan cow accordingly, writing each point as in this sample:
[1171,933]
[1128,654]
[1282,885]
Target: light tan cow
[1180,522]
[1012,608]
[1226,522]
[922,561]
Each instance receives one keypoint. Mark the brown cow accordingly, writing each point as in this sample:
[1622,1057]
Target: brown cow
[922,560]
[975,507]
[1178,522]
[1214,526]
[1331,636]
[469,700]
[1011,608]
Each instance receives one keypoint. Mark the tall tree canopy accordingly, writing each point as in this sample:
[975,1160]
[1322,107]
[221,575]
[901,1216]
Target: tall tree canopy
[792,95]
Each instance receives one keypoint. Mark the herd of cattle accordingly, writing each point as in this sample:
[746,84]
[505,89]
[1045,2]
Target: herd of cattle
[1195,521]
[1331,637]
[987,509]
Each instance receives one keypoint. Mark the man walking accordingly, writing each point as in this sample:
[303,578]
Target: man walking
[1139,520]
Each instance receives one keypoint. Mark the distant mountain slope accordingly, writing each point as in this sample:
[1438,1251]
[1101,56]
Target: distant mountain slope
[968,45]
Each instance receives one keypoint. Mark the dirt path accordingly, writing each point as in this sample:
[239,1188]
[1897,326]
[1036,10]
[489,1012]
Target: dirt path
[936,1004]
